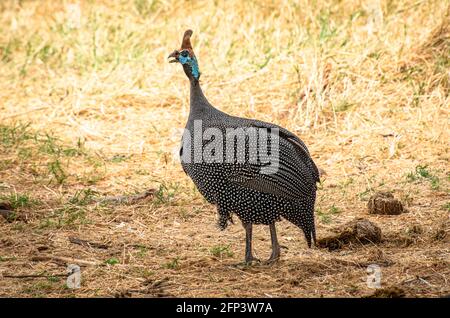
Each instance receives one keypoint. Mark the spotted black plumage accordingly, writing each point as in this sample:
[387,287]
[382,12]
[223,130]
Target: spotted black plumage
[241,187]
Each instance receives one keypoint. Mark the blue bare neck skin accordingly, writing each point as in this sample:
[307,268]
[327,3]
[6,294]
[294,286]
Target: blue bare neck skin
[190,66]
[199,105]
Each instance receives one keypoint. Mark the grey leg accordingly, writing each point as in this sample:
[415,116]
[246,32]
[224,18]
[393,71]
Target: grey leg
[248,244]
[275,246]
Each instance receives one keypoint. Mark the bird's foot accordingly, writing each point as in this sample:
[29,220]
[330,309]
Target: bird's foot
[248,262]
[273,259]
[251,261]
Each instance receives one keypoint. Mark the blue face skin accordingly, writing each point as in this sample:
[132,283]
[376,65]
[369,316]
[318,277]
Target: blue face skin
[185,58]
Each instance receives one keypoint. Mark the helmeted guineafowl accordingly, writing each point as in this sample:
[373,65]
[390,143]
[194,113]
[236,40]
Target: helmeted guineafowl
[256,170]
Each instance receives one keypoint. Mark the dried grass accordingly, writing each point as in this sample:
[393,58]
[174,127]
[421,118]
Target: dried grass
[367,90]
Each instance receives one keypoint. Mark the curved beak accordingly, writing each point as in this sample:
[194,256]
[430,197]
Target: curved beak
[174,55]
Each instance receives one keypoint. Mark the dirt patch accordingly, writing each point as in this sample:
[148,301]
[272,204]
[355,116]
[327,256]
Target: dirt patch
[388,292]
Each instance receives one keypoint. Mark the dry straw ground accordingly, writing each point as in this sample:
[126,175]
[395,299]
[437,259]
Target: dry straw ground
[89,107]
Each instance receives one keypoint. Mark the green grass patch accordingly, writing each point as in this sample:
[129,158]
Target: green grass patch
[166,192]
[446,207]
[17,200]
[83,197]
[112,261]
[65,216]
[14,134]
[423,172]
[47,157]
[142,251]
[326,217]
[221,251]
[173,264]
[119,158]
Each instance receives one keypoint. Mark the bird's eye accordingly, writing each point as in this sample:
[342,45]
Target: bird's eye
[184,53]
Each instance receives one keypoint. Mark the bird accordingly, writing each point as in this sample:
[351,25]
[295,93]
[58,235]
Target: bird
[227,164]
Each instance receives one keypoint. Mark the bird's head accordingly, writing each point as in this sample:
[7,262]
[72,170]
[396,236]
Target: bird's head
[186,57]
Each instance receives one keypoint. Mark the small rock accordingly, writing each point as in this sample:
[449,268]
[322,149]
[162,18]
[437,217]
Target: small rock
[384,203]
[7,214]
[7,211]
[5,206]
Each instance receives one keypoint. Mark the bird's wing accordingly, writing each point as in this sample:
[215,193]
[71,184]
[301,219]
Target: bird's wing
[298,144]
[286,176]
[292,174]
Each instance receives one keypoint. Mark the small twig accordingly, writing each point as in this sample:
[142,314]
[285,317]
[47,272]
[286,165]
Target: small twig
[62,259]
[424,281]
[127,199]
[85,243]
[34,275]
[24,113]
[158,283]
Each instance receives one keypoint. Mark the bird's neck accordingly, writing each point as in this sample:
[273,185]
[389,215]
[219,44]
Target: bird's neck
[199,105]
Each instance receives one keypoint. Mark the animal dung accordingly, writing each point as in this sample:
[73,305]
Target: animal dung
[366,231]
[384,203]
[360,231]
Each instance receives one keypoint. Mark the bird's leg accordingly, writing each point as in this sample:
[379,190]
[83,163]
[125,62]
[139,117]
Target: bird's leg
[248,244]
[275,246]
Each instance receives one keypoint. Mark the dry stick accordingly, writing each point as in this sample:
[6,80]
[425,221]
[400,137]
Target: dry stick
[33,275]
[24,113]
[81,242]
[128,199]
[64,259]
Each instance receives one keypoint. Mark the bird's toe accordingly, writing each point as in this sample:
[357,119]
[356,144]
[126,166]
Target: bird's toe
[273,259]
